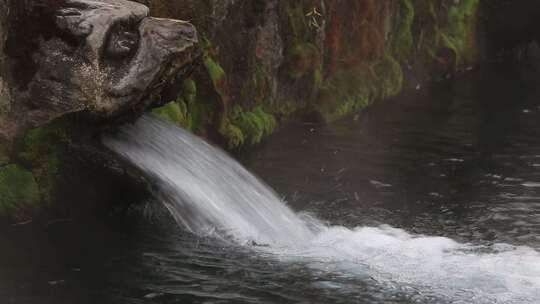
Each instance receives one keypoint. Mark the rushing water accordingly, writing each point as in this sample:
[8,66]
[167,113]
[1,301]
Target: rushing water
[204,189]
[212,195]
[434,200]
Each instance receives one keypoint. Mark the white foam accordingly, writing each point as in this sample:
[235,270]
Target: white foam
[437,265]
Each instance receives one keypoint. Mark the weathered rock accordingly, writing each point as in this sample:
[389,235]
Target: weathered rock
[69,68]
[269,47]
[17,188]
[321,57]
[103,58]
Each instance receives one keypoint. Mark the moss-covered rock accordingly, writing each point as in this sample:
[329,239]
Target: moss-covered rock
[175,112]
[247,126]
[189,90]
[217,75]
[18,189]
[328,57]
[346,91]
[389,75]
[456,34]
[303,58]
[445,33]
[187,111]
[233,135]
[355,88]
[254,124]
[216,72]
[42,152]
[403,40]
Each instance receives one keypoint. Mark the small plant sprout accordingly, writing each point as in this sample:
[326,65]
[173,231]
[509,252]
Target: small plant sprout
[313,17]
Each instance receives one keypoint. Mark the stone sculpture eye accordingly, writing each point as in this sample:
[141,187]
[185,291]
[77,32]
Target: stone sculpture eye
[123,42]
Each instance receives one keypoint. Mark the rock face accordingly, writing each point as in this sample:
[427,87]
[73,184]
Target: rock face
[265,60]
[104,58]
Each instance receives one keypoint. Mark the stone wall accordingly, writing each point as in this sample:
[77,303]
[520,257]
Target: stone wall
[267,60]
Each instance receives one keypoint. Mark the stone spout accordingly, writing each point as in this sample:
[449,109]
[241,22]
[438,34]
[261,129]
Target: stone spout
[101,58]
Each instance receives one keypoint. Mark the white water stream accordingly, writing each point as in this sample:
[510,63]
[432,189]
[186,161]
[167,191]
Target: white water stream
[209,193]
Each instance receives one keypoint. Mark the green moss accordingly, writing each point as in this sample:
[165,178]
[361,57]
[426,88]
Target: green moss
[403,42]
[389,75]
[174,111]
[255,124]
[187,111]
[445,36]
[428,22]
[42,151]
[191,108]
[189,88]
[18,188]
[198,112]
[236,125]
[302,58]
[456,34]
[232,134]
[348,90]
[355,88]
[215,71]
[318,78]
[285,109]
[247,126]
[269,120]
[219,81]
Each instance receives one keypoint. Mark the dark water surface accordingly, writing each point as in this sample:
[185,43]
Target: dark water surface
[460,165]
[466,167]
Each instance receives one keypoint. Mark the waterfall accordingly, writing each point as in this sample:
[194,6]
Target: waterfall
[209,193]
[204,189]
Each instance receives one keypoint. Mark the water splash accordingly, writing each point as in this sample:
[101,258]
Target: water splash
[207,192]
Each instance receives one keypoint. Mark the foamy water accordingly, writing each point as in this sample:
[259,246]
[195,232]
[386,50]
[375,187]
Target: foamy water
[209,193]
